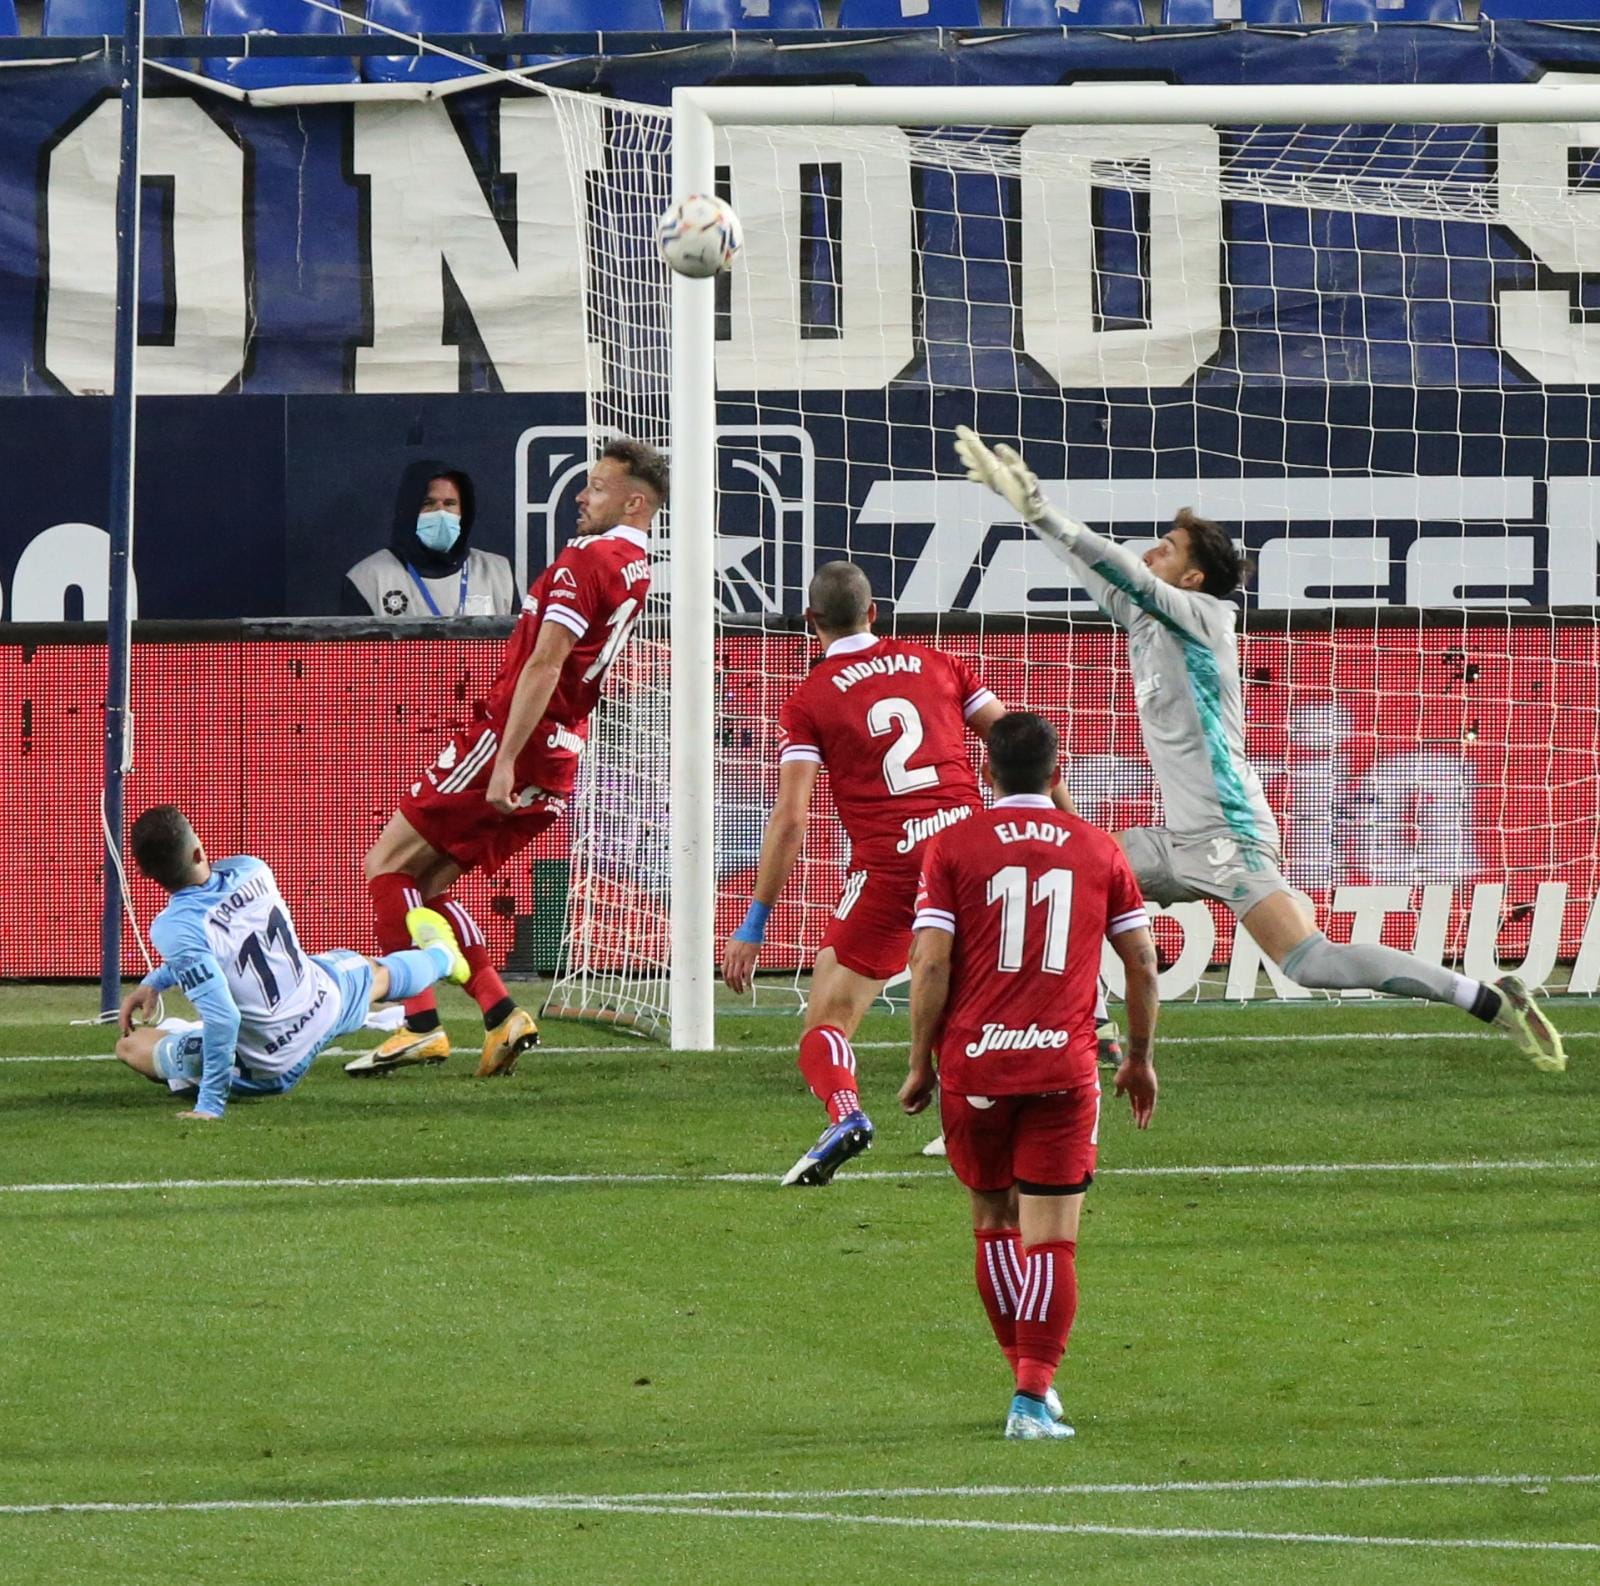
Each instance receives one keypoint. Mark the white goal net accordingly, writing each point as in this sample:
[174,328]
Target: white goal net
[1364,348]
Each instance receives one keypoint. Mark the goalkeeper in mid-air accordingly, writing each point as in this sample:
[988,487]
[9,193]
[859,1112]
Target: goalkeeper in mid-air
[1221,840]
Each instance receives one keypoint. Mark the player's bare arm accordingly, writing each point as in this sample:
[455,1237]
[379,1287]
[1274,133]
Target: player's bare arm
[536,683]
[140,1004]
[1136,1078]
[930,992]
[781,842]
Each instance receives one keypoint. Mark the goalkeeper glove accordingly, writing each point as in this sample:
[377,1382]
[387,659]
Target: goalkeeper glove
[1005,473]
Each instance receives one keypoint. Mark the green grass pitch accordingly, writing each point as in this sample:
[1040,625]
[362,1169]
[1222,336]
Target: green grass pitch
[1338,1322]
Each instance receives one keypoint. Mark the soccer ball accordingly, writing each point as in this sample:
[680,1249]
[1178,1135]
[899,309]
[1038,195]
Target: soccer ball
[699,236]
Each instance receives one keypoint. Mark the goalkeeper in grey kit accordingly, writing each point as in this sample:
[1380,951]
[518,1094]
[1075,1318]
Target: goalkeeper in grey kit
[1221,840]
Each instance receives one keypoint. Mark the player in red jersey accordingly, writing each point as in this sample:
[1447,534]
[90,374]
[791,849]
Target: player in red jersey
[505,778]
[1010,917]
[888,719]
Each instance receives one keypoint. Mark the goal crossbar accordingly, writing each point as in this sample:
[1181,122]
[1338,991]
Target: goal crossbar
[1149,104]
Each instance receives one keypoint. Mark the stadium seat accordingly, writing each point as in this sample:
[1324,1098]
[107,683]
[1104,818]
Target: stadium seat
[1541,10]
[427,16]
[8,19]
[1392,11]
[1206,13]
[85,18]
[593,16]
[224,17]
[909,14]
[1074,14]
[726,16]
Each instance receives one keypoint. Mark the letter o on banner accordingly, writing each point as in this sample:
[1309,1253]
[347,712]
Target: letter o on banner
[1183,975]
[66,556]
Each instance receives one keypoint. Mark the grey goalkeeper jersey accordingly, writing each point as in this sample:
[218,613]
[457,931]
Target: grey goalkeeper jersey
[1184,657]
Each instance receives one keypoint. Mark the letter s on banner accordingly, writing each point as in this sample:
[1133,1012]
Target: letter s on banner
[206,349]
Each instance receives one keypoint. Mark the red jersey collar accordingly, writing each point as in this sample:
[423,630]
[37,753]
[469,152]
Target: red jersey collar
[850,644]
[626,531]
[1023,801]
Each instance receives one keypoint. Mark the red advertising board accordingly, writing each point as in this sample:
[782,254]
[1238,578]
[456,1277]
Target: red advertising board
[1401,755]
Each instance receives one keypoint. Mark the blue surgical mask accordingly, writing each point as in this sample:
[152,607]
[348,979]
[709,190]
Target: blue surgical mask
[438,530]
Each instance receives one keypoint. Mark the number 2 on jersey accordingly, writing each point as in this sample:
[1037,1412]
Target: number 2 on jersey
[882,718]
[1009,888]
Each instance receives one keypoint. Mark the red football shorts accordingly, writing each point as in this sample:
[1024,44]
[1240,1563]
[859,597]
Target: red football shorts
[447,808]
[1042,1144]
[870,931]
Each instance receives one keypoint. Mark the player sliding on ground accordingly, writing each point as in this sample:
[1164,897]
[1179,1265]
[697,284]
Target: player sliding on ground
[1011,915]
[266,1008]
[501,781]
[1221,840]
[886,717]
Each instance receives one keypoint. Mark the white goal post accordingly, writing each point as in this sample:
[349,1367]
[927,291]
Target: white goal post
[696,113]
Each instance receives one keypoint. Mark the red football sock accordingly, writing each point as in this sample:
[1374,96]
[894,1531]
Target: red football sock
[829,1066]
[1045,1309]
[484,984]
[999,1272]
[392,896]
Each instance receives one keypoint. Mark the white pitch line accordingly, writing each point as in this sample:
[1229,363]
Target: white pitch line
[1080,1528]
[624,1505]
[627,1180]
[1299,1037]
[1083,1489]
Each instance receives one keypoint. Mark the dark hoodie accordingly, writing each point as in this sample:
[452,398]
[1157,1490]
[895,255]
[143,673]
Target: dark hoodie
[403,539]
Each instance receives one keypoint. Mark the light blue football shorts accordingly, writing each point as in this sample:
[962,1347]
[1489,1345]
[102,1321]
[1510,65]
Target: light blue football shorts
[179,1057]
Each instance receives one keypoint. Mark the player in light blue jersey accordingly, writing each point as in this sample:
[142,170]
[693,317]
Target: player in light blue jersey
[1221,840]
[266,1008]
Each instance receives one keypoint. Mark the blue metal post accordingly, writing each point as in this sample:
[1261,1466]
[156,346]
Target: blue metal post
[119,522]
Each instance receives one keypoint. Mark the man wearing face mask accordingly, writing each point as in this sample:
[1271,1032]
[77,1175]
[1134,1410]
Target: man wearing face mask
[429,568]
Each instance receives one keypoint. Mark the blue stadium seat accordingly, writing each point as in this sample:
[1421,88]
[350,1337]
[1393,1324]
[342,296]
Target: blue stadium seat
[68,19]
[1384,11]
[8,19]
[1062,14]
[1541,10]
[225,17]
[593,16]
[1204,13]
[427,16]
[909,14]
[726,16]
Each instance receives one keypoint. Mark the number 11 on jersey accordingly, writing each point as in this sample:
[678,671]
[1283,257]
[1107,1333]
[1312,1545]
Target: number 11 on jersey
[1009,888]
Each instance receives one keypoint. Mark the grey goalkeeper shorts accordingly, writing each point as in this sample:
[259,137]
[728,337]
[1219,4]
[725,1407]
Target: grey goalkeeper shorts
[1173,869]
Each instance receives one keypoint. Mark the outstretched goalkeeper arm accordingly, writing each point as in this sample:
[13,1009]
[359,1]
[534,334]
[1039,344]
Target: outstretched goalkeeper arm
[1118,580]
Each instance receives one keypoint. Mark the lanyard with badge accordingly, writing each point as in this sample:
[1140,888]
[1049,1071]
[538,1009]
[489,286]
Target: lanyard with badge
[422,589]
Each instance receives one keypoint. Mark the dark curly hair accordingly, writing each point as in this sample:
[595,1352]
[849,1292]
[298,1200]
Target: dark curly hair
[1223,566]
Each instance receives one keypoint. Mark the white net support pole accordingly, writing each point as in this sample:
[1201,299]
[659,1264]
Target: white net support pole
[693,407]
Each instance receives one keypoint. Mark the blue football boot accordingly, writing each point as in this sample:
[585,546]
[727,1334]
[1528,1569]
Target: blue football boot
[838,1143]
[1030,1418]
